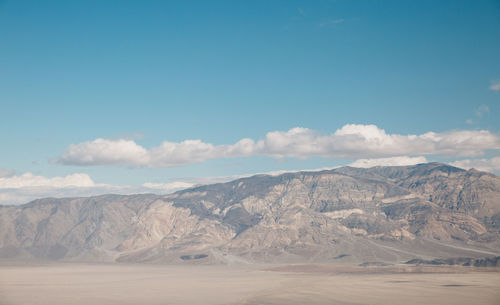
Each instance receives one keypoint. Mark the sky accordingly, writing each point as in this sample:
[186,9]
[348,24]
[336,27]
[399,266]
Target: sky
[154,96]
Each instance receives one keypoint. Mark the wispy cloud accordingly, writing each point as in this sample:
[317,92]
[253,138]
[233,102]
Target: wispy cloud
[350,142]
[481,110]
[479,113]
[495,85]
[331,22]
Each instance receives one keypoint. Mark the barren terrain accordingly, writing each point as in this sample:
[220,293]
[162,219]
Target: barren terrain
[257,284]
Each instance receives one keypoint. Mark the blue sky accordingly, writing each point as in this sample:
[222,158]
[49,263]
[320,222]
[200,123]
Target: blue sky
[146,72]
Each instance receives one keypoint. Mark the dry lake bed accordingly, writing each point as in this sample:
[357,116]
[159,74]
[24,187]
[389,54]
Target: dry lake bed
[63,284]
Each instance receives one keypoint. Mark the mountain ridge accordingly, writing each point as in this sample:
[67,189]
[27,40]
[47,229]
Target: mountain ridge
[389,214]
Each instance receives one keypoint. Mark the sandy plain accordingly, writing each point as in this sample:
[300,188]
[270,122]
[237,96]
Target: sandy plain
[58,284]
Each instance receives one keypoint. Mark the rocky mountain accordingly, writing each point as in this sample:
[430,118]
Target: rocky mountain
[380,214]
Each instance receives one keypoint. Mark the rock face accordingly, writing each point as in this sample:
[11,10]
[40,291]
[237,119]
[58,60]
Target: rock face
[381,214]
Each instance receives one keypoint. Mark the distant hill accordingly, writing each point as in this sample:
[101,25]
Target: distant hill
[381,214]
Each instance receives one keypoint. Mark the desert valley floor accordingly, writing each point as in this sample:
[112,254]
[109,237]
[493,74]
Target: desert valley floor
[99,284]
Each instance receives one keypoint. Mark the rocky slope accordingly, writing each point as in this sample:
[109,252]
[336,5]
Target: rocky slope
[381,214]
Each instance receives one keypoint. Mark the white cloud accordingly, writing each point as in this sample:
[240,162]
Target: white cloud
[495,85]
[26,187]
[168,187]
[392,161]
[106,152]
[30,180]
[170,154]
[489,165]
[350,142]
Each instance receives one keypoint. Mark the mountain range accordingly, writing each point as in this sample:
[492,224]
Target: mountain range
[378,215]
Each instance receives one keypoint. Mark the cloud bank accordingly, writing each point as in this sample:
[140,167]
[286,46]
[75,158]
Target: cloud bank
[26,187]
[350,142]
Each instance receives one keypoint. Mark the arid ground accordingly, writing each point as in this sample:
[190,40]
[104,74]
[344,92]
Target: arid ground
[56,284]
